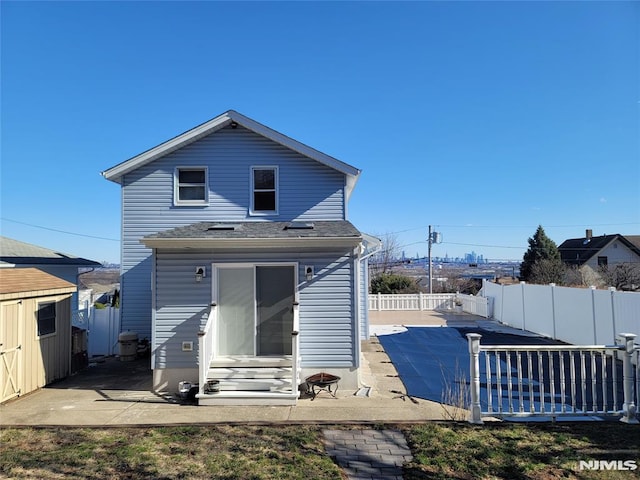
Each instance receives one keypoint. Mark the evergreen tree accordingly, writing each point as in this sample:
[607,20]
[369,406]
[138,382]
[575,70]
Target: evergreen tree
[541,247]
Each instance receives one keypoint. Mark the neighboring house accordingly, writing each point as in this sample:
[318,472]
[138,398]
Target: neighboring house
[35,330]
[236,230]
[14,253]
[589,254]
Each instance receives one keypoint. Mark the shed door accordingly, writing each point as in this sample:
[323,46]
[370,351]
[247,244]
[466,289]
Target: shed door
[10,351]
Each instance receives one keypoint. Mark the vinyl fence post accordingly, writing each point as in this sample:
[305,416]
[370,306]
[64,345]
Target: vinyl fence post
[613,312]
[628,407]
[475,415]
[553,309]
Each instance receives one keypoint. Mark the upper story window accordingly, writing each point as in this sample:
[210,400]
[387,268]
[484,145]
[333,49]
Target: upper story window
[603,261]
[190,186]
[46,318]
[264,190]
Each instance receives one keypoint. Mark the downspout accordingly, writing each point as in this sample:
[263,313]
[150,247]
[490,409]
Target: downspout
[359,258]
[152,346]
[357,293]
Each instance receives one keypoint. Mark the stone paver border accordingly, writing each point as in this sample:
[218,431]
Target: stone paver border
[368,454]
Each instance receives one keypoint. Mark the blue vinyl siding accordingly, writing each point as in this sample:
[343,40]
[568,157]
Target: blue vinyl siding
[327,321]
[308,191]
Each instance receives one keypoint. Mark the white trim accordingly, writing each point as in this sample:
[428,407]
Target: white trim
[42,301]
[216,267]
[357,294]
[276,171]
[153,308]
[176,186]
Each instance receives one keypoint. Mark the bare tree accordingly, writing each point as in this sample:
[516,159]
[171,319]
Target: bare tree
[575,277]
[547,270]
[623,276]
[387,257]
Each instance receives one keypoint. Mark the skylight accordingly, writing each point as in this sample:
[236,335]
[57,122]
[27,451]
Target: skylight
[223,227]
[299,226]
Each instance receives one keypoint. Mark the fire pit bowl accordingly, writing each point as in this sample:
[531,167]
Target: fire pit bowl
[323,381]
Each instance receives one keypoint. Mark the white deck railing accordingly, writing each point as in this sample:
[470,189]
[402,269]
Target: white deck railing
[295,349]
[206,340]
[554,380]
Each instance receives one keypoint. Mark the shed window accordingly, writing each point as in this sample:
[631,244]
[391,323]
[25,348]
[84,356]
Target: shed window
[191,185]
[264,190]
[46,318]
[603,261]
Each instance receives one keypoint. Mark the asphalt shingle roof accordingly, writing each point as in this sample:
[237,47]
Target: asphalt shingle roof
[30,280]
[21,253]
[261,230]
[577,251]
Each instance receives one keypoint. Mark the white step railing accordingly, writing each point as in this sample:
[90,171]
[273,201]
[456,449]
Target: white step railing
[553,380]
[206,340]
[295,348]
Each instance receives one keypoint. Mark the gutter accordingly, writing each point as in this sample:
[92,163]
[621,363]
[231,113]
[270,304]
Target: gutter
[240,243]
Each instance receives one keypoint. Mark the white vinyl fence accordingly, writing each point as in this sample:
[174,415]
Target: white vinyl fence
[580,316]
[437,301]
[103,328]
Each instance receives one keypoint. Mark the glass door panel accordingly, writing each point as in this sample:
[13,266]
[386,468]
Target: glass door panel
[236,322]
[275,294]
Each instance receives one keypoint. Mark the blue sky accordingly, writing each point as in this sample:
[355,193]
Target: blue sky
[484,119]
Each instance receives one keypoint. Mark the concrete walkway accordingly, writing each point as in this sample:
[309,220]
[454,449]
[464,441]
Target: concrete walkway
[119,394]
[368,454]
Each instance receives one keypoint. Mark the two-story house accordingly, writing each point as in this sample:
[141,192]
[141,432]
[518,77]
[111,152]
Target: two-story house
[239,263]
[591,254]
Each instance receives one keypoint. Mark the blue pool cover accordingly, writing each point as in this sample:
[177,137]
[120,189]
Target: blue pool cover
[433,360]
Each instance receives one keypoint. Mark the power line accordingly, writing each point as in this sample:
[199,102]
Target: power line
[59,231]
[411,229]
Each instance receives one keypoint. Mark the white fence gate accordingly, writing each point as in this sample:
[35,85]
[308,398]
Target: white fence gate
[103,328]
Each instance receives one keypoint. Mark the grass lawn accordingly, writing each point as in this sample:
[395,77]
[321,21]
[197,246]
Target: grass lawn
[441,450]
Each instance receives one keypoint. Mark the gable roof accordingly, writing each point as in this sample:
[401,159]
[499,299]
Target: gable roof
[577,251]
[14,252]
[116,173]
[20,282]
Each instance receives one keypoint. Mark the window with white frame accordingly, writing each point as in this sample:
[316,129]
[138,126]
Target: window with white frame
[264,190]
[190,186]
[46,318]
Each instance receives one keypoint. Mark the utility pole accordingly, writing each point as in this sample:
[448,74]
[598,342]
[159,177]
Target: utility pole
[434,237]
[430,265]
